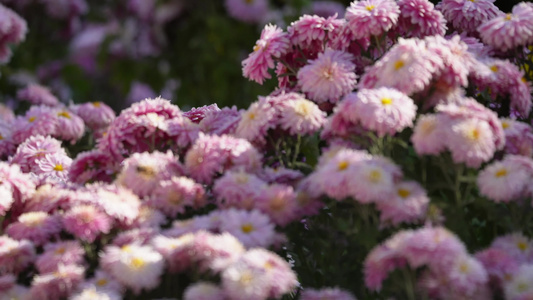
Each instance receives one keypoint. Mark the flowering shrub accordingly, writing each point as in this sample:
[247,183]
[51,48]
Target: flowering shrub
[394,159]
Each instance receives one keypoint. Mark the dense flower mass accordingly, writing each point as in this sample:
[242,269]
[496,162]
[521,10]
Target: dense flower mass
[395,142]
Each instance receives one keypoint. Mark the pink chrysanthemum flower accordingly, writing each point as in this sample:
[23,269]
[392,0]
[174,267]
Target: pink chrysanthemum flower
[221,122]
[301,116]
[86,222]
[467,15]
[371,17]
[21,184]
[103,281]
[92,166]
[419,18]
[55,164]
[203,291]
[140,236]
[96,115]
[55,254]
[328,77]
[256,121]
[503,181]
[250,11]
[37,95]
[94,293]
[142,172]
[137,267]
[197,114]
[508,31]
[326,293]
[251,228]
[173,196]
[518,137]
[38,120]
[13,31]
[15,255]
[280,175]
[258,274]
[116,201]
[373,180]
[516,245]
[69,127]
[37,227]
[278,201]
[149,217]
[175,250]
[211,155]
[335,176]
[215,251]
[409,204]
[57,284]
[520,286]
[312,31]
[142,127]
[471,142]
[408,66]
[384,110]
[273,44]
[499,264]
[465,277]
[238,189]
[33,149]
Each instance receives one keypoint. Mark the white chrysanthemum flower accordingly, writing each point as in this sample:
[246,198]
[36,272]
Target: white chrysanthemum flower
[93,293]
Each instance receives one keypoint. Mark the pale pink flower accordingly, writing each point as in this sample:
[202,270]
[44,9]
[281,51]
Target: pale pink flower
[38,120]
[371,17]
[328,77]
[520,286]
[55,254]
[15,255]
[37,227]
[57,284]
[13,30]
[327,9]
[273,44]
[408,66]
[238,189]
[518,137]
[516,245]
[256,121]
[251,228]
[33,149]
[92,166]
[203,291]
[215,251]
[508,31]
[175,250]
[503,181]
[174,195]
[499,264]
[408,204]
[221,122]
[86,222]
[21,185]
[300,116]
[312,31]
[471,142]
[142,172]
[116,201]
[56,164]
[374,180]
[7,146]
[69,126]
[96,115]
[6,199]
[278,201]
[326,293]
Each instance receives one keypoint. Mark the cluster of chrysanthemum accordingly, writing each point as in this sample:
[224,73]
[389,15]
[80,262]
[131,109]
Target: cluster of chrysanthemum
[343,173]
[446,269]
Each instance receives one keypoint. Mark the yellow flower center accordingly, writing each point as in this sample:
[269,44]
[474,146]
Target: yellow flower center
[101,282]
[269,265]
[374,176]
[524,80]
[257,48]
[31,119]
[501,172]
[174,198]
[242,178]
[247,228]
[386,101]
[522,287]
[473,134]
[370,7]
[251,116]
[404,193]
[464,268]
[303,108]
[343,165]
[145,171]
[508,17]
[494,68]
[522,245]
[327,74]
[59,168]
[126,248]
[399,64]
[97,104]
[246,278]
[137,263]
[277,204]
[1,137]
[64,114]
[505,125]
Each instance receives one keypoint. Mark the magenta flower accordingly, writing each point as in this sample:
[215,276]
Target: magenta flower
[96,115]
[312,31]
[371,17]
[70,127]
[508,31]
[92,166]
[38,120]
[33,149]
[273,44]
[56,165]
[328,77]
[57,284]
